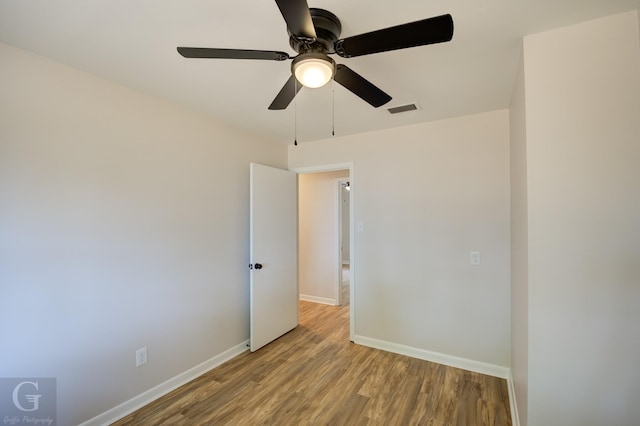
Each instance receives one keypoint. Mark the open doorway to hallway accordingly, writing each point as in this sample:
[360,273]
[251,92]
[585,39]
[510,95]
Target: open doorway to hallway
[346,170]
[324,237]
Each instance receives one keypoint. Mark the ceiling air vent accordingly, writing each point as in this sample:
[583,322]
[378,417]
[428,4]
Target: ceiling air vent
[403,108]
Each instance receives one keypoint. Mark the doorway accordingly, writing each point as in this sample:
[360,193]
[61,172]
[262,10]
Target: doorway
[321,264]
[343,192]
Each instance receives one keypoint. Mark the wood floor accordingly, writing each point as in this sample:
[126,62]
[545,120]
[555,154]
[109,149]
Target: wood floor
[314,375]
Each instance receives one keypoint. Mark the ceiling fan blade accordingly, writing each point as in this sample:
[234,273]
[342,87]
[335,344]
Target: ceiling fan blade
[286,94]
[206,52]
[360,86]
[427,31]
[298,18]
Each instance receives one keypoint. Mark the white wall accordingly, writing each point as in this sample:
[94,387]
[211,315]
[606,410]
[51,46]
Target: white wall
[427,195]
[519,246]
[319,256]
[583,154]
[123,224]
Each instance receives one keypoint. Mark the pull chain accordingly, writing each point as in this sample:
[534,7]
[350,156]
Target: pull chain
[333,109]
[295,114]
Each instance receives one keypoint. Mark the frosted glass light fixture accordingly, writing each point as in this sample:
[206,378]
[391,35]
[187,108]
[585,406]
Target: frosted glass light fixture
[313,69]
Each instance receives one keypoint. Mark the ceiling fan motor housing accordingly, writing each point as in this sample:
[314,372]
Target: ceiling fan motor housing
[328,29]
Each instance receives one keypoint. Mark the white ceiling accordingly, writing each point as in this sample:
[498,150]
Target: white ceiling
[133,42]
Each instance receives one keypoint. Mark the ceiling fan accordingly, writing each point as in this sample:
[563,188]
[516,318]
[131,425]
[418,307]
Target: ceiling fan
[313,34]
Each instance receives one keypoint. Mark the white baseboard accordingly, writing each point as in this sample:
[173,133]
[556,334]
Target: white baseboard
[139,401]
[316,299]
[451,361]
[515,418]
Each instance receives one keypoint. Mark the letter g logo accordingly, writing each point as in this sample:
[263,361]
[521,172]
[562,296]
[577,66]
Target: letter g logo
[33,399]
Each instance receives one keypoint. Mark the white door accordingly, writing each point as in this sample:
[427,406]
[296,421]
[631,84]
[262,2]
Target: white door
[273,253]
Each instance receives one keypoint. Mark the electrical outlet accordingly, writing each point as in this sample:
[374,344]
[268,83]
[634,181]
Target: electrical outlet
[141,356]
[475,257]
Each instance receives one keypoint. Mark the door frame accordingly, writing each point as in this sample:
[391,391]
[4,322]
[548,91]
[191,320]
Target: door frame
[352,241]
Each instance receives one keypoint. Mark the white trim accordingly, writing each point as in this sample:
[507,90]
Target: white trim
[116,413]
[513,406]
[440,358]
[323,168]
[316,299]
[352,251]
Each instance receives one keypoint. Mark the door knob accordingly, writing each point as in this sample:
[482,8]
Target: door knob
[258,266]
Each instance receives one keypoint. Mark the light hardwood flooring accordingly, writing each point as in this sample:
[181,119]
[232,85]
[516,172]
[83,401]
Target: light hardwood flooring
[314,375]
